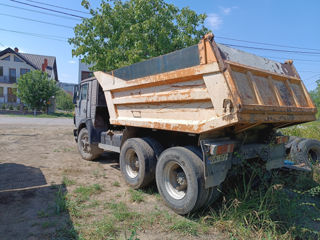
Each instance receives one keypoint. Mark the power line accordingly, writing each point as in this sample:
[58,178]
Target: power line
[31,10]
[295,59]
[48,9]
[34,20]
[2,44]
[268,44]
[270,49]
[46,36]
[51,5]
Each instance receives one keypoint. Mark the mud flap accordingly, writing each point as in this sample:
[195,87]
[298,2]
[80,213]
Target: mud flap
[216,166]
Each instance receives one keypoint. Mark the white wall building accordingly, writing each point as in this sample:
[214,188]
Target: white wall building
[84,71]
[14,64]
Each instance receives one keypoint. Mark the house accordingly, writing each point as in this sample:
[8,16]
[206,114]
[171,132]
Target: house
[68,87]
[14,64]
[84,71]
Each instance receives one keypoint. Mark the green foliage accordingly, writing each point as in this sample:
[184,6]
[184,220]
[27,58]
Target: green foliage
[35,89]
[136,195]
[84,192]
[121,33]
[64,101]
[315,95]
[308,130]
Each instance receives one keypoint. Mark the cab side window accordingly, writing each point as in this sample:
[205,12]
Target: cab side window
[84,91]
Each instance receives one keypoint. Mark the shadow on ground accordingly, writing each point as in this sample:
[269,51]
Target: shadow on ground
[30,209]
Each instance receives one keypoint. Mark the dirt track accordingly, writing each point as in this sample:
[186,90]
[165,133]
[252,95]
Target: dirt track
[35,156]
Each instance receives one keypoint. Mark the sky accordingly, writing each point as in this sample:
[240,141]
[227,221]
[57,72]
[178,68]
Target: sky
[292,24]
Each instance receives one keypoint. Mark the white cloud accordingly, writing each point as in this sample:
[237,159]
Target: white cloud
[71,61]
[226,11]
[214,21]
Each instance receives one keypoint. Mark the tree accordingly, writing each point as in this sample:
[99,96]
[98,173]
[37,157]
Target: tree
[35,89]
[121,33]
[64,101]
[315,95]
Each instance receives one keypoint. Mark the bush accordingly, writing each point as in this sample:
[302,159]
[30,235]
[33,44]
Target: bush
[10,107]
[64,101]
[3,107]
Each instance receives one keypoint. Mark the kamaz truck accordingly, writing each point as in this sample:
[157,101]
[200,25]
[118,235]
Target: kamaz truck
[186,118]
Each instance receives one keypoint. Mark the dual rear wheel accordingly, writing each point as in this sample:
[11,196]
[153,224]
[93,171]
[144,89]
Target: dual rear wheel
[178,171]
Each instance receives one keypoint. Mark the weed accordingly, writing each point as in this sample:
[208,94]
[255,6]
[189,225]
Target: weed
[93,203]
[42,214]
[104,229]
[116,184]
[45,225]
[136,195]
[60,201]
[134,235]
[67,181]
[84,193]
[121,212]
[185,226]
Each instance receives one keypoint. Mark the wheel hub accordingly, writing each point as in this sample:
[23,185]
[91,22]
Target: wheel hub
[132,163]
[175,180]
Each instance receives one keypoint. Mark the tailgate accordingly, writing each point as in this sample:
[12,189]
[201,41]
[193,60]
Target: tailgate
[267,90]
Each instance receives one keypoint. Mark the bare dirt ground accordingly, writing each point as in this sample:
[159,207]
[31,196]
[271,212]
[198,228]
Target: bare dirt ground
[48,192]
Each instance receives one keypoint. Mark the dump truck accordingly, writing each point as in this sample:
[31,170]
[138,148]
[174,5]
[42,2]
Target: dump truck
[184,119]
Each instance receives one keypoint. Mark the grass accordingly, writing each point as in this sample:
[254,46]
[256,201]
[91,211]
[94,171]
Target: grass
[281,207]
[136,196]
[83,193]
[306,130]
[185,226]
[67,181]
[60,201]
[116,184]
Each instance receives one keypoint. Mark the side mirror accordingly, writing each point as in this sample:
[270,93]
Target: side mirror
[75,94]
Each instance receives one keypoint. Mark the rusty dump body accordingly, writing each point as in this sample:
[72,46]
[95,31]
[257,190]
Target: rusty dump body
[204,88]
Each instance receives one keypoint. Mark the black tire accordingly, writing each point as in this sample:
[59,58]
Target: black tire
[180,179]
[204,193]
[137,162]
[308,152]
[215,193]
[87,151]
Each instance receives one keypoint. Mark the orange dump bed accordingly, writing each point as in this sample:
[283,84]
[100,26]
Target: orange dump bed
[204,88]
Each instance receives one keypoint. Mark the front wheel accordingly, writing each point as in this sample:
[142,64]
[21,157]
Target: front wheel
[180,179]
[87,151]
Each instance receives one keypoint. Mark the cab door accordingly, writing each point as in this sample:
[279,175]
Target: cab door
[82,103]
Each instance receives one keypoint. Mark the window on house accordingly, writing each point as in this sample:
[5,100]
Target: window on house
[6,58]
[12,75]
[23,71]
[1,91]
[16,59]
[1,71]
[12,98]
[85,75]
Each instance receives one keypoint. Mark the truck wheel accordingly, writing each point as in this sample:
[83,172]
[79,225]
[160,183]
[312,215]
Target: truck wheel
[214,194]
[88,151]
[180,179]
[308,152]
[137,162]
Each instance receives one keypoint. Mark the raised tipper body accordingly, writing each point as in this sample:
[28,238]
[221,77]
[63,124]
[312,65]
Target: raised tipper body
[206,87]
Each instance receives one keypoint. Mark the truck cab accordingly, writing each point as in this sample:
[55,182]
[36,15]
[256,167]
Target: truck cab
[91,117]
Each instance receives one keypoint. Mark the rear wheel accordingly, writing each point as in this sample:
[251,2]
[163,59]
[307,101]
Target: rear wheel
[87,150]
[308,152]
[179,178]
[137,162]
